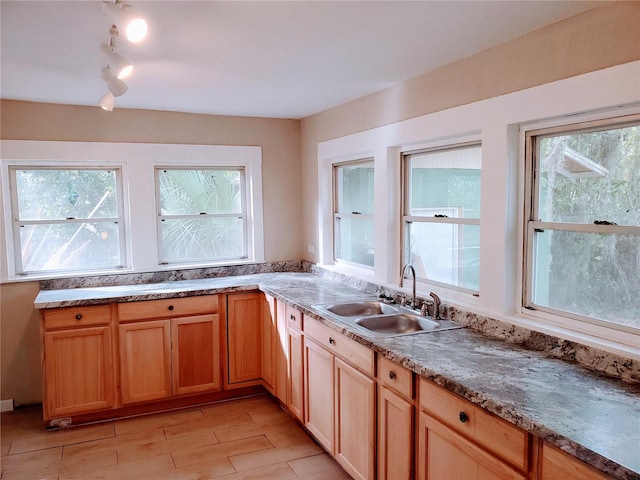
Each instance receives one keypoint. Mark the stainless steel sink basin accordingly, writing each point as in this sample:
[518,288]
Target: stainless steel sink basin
[397,323]
[360,309]
[383,320]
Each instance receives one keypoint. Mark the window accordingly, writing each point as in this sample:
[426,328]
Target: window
[353,212]
[201,214]
[583,222]
[441,221]
[66,219]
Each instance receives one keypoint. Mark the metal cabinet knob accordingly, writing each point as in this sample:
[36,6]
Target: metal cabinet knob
[79,316]
[463,417]
[331,340]
[170,307]
[392,374]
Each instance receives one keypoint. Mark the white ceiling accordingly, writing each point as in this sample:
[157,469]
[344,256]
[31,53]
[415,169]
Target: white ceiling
[285,59]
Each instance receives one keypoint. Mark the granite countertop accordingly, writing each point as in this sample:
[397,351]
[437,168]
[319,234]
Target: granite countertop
[593,417]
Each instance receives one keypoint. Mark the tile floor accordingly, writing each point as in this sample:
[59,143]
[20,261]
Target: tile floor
[251,438]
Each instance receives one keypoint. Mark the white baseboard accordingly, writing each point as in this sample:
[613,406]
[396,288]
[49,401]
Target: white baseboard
[6,405]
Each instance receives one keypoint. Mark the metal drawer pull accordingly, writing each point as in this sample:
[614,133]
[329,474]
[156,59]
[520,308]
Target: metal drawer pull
[463,417]
[79,316]
[392,374]
[331,341]
[170,307]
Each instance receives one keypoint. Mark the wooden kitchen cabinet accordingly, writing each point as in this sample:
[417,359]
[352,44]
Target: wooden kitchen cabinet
[281,352]
[168,348]
[395,421]
[244,340]
[340,398]
[558,465]
[457,439]
[295,351]
[78,361]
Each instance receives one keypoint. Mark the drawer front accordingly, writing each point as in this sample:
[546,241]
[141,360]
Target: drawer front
[356,354]
[294,317]
[69,317]
[395,377]
[168,307]
[490,432]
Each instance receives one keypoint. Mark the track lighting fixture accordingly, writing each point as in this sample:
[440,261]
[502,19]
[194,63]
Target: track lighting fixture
[107,102]
[134,27]
[118,67]
[116,86]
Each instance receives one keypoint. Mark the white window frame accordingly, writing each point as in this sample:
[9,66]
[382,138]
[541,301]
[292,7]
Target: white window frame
[407,219]
[243,215]
[16,223]
[137,161]
[351,215]
[532,222]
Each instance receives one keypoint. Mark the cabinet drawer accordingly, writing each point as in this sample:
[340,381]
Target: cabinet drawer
[294,317]
[395,377]
[490,432]
[168,307]
[76,316]
[358,355]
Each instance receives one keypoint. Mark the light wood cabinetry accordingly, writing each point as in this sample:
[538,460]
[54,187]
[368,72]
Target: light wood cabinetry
[395,421]
[169,348]
[460,440]
[295,362]
[244,339]
[269,339]
[281,352]
[196,354]
[78,361]
[340,398]
[558,465]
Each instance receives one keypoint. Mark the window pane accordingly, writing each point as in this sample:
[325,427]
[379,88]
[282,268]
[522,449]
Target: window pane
[202,239]
[355,240]
[590,274]
[445,182]
[588,177]
[192,192]
[69,246]
[354,188]
[446,253]
[55,194]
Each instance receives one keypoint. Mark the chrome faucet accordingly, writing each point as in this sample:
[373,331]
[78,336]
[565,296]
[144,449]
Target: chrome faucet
[436,306]
[413,303]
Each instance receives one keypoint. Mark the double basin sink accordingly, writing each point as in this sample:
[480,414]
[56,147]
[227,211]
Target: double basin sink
[382,319]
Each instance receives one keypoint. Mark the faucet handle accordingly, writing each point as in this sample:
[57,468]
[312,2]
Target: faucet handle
[424,309]
[403,300]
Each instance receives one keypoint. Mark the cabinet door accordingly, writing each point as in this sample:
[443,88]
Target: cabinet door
[145,361]
[282,354]
[355,421]
[244,332]
[443,454]
[395,436]
[268,363]
[79,371]
[295,382]
[195,354]
[319,388]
